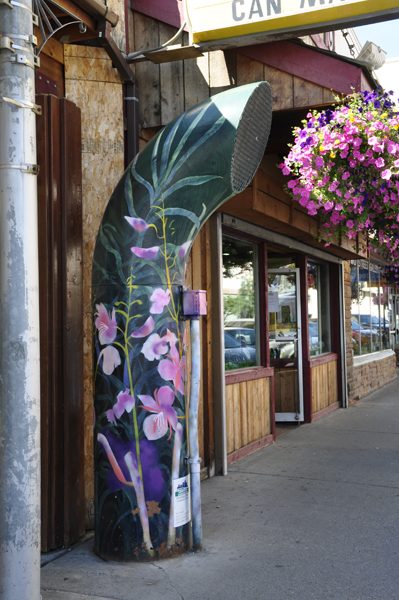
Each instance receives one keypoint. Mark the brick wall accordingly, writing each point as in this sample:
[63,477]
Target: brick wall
[367,373]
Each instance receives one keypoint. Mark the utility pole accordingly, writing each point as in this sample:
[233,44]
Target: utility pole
[19,309]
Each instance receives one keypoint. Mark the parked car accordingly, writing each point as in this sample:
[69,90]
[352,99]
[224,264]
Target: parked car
[242,334]
[375,321]
[237,354]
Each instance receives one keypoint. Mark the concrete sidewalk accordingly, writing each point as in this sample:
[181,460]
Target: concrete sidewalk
[314,516]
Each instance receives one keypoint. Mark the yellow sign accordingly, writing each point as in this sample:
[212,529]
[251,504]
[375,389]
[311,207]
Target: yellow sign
[222,19]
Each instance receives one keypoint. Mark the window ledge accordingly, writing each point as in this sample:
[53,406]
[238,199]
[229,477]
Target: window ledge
[368,358]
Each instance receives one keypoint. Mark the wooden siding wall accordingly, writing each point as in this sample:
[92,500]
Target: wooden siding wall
[265,203]
[166,90]
[286,396]
[248,412]
[61,326]
[94,85]
[324,386]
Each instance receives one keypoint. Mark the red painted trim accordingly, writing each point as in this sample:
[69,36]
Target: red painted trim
[248,374]
[308,64]
[302,263]
[325,411]
[323,359]
[167,11]
[234,456]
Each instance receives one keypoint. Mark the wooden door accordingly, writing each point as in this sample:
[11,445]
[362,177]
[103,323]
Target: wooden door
[61,321]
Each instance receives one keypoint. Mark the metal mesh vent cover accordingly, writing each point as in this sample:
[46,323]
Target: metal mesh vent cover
[251,138]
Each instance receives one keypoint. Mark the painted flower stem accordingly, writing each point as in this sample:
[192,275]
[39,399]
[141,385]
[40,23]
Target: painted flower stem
[138,488]
[175,474]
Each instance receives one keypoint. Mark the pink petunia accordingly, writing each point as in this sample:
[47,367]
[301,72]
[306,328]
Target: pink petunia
[380,162]
[111,359]
[387,174]
[137,224]
[156,425]
[105,324]
[145,329]
[160,299]
[147,253]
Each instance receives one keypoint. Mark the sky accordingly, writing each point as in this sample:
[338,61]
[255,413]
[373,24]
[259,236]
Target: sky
[385,35]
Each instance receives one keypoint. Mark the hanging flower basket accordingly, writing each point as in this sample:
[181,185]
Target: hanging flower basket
[344,167]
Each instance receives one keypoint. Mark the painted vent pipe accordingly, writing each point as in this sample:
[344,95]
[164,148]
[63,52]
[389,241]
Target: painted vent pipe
[189,169]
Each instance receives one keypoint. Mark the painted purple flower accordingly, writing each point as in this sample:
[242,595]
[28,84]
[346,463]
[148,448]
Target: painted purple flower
[160,299]
[154,347]
[145,329]
[125,402]
[111,359]
[137,224]
[147,253]
[119,477]
[173,366]
[183,249]
[155,426]
[105,324]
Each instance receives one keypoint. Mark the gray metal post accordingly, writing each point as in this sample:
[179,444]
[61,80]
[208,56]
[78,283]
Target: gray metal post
[19,310]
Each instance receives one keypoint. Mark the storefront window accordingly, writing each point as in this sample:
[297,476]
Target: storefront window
[371,308]
[319,308]
[240,303]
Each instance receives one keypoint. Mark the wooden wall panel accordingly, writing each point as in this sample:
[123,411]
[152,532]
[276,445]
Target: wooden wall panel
[324,386]
[146,35]
[171,81]
[61,323]
[247,413]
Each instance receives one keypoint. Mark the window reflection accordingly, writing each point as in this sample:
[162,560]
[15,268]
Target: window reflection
[371,309]
[240,303]
[319,308]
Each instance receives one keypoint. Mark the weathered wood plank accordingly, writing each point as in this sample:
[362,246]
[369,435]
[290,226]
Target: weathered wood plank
[171,80]
[306,93]
[237,417]
[91,69]
[244,413]
[196,79]
[282,85]
[229,419]
[248,70]
[146,35]
[222,71]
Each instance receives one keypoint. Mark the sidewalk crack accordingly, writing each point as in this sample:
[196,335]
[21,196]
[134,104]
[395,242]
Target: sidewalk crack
[169,580]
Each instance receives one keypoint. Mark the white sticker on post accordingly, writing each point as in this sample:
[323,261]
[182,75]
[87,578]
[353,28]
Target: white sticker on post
[181,501]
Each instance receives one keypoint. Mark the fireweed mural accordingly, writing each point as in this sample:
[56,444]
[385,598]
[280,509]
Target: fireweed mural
[191,167]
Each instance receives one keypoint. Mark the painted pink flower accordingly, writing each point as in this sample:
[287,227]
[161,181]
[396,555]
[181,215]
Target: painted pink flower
[156,425]
[160,299]
[319,162]
[350,224]
[147,253]
[105,324]
[172,366]
[145,329]
[155,347]
[111,359]
[137,224]
[125,402]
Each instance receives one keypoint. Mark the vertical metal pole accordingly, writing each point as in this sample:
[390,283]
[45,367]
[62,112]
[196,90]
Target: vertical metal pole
[19,311]
[194,460]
